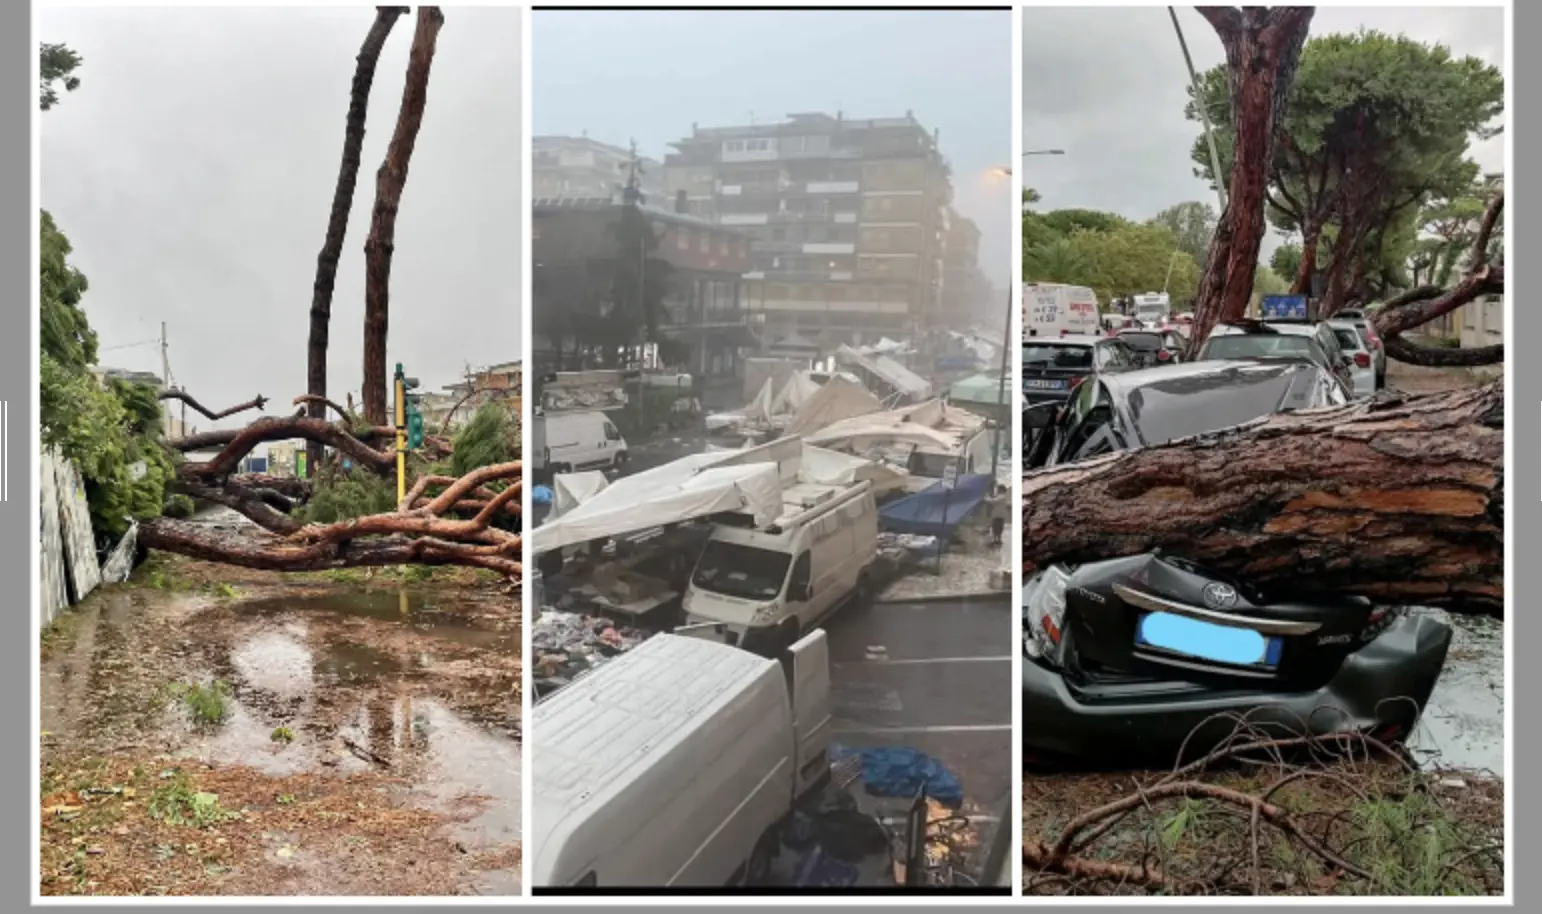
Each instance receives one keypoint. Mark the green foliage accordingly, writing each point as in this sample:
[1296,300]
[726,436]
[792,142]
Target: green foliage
[492,436]
[281,735]
[338,494]
[1030,196]
[1267,282]
[1193,224]
[1286,261]
[63,330]
[1057,260]
[177,803]
[56,64]
[207,704]
[108,431]
[1376,125]
[1413,847]
[1069,221]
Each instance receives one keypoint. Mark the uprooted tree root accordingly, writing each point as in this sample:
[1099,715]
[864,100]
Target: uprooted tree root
[460,523]
[1324,815]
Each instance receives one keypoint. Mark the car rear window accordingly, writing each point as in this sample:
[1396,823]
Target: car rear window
[1178,408]
[1347,338]
[1258,346]
[1145,342]
[1060,356]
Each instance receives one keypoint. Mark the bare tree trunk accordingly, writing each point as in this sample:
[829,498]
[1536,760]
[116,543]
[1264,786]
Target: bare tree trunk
[1400,500]
[337,221]
[1311,231]
[389,181]
[1263,46]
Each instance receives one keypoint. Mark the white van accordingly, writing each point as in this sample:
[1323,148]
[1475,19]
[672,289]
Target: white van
[579,441]
[676,764]
[1052,309]
[772,584]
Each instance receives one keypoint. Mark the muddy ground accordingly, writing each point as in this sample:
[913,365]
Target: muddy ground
[211,731]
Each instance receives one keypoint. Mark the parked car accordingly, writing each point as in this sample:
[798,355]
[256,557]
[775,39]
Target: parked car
[1279,339]
[1154,406]
[1362,322]
[1362,361]
[1053,365]
[1155,347]
[1135,660]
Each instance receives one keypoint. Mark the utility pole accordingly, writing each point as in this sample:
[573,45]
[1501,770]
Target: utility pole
[166,382]
[1001,389]
[1204,113]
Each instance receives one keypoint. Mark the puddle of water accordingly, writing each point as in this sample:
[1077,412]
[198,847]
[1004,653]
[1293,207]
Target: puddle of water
[1464,726]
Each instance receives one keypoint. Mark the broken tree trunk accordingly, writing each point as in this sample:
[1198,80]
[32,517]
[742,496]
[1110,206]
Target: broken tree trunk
[257,403]
[1419,306]
[389,182]
[337,221]
[417,535]
[1263,46]
[1399,499]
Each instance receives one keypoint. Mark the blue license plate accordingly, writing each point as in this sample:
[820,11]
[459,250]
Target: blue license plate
[1207,640]
[1039,384]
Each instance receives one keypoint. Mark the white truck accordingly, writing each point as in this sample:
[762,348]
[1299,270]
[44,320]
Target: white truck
[677,764]
[1152,309]
[1052,309]
[768,586]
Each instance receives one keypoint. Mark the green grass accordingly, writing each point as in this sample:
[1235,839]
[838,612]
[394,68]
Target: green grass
[177,803]
[207,704]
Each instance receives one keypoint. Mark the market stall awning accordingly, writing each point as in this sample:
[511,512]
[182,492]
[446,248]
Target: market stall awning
[687,488]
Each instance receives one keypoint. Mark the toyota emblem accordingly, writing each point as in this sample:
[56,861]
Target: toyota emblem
[1220,596]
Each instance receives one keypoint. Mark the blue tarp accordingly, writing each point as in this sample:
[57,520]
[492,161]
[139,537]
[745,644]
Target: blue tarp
[934,511]
[541,495]
[899,771]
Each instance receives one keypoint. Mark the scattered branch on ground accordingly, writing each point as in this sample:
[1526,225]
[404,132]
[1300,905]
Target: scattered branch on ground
[1340,813]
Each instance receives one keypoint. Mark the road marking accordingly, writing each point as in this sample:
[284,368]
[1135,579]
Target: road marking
[1007,658]
[900,731]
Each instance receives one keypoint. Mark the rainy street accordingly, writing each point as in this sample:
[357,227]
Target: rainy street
[339,737]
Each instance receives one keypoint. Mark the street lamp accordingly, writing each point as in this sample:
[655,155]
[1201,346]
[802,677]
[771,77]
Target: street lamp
[1044,152]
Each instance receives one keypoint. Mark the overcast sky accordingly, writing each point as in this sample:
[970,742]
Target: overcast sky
[1108,85]
[193,172]
[648,75]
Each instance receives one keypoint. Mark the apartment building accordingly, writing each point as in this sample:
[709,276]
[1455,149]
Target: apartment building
[567,166]
[847,220]
[450,408]
[964,288]
[703,323]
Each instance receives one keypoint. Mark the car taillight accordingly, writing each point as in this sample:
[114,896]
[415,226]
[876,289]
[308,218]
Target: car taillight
[1044,606]
[1163,355]
[1363,359]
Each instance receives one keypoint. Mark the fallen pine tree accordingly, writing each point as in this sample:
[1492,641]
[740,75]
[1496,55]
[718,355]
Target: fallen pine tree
[444,520]
[1399,498]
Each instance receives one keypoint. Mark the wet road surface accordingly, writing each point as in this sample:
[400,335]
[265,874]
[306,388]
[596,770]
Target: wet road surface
[1464,724]
[942,685]
[420,688]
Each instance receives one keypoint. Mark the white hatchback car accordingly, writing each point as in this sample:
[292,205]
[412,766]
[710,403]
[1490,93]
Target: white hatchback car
[1362,359]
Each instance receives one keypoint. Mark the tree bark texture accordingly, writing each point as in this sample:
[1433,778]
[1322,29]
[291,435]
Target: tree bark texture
[389,181]
[337,220]
[1263,47]
[1400,499]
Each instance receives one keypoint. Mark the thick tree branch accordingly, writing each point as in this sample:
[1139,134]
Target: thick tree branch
[257,403]
[1442,357]
[277,429]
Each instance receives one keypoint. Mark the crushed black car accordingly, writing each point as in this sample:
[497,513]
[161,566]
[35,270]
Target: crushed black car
[1135,660]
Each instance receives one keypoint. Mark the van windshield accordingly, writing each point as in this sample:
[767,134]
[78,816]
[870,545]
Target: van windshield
[741,571]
